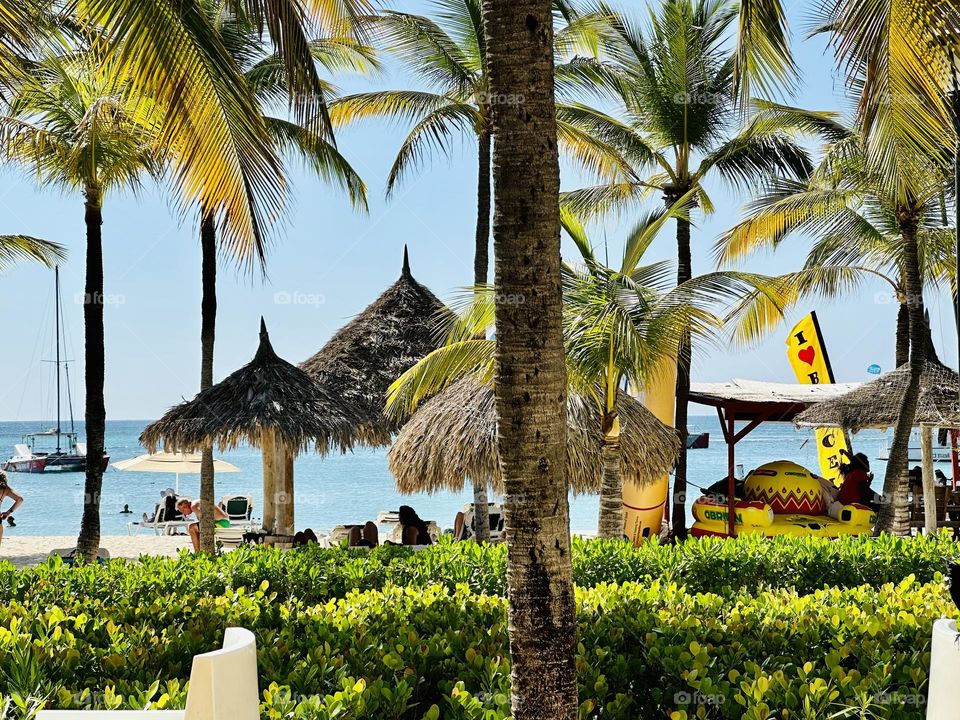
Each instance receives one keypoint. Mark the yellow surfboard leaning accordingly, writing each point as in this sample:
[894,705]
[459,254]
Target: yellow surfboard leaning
[643,507]
[811,364]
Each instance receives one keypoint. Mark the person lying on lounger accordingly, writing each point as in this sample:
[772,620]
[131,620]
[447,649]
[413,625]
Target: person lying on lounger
[186,507]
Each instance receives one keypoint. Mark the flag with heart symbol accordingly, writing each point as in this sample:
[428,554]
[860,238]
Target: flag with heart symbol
[811,364]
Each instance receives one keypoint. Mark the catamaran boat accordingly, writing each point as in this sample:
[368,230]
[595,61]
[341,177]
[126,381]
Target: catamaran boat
[54,449]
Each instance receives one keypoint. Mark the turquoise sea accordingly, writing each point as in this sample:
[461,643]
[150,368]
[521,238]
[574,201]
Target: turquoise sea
[341,488]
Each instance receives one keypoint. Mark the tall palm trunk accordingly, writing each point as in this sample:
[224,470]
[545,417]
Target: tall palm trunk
[903,334]
[481,261]
[684,359]
[530,372]
[894,513]
[611,520]
[208,323]
[88,543]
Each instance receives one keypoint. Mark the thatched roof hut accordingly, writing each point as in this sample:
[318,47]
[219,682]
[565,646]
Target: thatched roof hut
[876,404]
[453,438]
[364,357]
[266,393]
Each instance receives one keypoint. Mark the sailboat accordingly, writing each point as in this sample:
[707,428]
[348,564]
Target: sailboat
[68,454]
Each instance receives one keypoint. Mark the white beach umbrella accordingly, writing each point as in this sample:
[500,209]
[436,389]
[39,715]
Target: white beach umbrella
[172,463]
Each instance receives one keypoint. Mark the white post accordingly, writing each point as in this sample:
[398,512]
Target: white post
[929,488]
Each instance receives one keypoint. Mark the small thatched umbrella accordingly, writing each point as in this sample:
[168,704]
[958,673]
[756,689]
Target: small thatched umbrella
[364,357]
[268,403]
[876,404]
[453,437]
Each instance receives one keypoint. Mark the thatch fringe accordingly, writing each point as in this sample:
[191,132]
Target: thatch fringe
[876,404]
[268,392]
[452,439]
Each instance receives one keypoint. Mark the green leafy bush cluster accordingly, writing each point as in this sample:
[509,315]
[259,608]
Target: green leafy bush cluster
[645,651]
[315,575]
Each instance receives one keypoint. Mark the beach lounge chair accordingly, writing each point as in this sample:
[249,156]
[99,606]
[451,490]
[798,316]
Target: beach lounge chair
[230,536]
[463,527]
[391,519]
[943,693]
[237,507]
[223,686]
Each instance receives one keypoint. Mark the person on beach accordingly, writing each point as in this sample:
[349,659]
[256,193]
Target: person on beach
[7,492]
[855,488]
[186,507]
[414,531]
[365,535]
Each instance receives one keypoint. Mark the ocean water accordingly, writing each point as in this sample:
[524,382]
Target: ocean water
[343,488]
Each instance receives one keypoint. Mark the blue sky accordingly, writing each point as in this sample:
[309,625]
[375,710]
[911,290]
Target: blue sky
[330,262]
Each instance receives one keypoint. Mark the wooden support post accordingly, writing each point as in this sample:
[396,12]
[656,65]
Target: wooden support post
[731,470]
[271,485]
[285,523]
[929,487]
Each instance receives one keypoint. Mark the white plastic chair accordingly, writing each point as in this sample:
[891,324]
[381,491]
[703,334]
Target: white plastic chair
[223,686]
[943,694]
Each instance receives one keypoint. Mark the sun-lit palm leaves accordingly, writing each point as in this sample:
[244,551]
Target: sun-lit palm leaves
[896,55]
[14,248]
[214,138]
[854,218]
[267,76]
[72,125]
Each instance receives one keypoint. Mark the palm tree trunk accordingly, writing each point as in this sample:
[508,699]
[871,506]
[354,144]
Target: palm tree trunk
[88,544]
[481,261]
[208,323]
[894,513]
[684,359]
[610,524]
[903,335]
[530,371]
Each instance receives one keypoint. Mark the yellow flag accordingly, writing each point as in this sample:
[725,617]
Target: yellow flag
[811,364]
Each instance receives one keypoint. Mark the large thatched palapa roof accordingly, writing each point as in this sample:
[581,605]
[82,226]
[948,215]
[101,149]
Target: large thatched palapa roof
[876,404]
[453,438]
[267,393]
[365,356]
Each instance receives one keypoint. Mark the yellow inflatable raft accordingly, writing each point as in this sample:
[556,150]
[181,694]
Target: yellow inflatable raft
[783,498]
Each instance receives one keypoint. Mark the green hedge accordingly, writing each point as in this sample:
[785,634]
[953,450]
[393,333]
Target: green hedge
[314,575]
[652,651]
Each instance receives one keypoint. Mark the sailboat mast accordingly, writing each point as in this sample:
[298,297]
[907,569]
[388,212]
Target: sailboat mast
[56,322]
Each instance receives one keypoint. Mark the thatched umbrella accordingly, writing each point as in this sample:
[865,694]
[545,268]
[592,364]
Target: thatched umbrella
[876,404]
[453,437]
[364,357]
[268,403]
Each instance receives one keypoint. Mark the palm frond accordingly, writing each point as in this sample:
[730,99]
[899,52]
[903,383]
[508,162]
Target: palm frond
[321,156]
[216,142]
[14,248]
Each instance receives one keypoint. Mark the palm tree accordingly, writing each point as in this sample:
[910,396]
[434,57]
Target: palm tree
[620,325]
[449,56]
[71,124]
[675,86]
[266,73]
[895,230]
[530,392]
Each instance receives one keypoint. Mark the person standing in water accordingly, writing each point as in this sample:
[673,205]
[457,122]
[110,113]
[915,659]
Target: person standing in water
[7,492]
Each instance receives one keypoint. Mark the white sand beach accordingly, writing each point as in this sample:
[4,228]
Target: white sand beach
[24,551]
